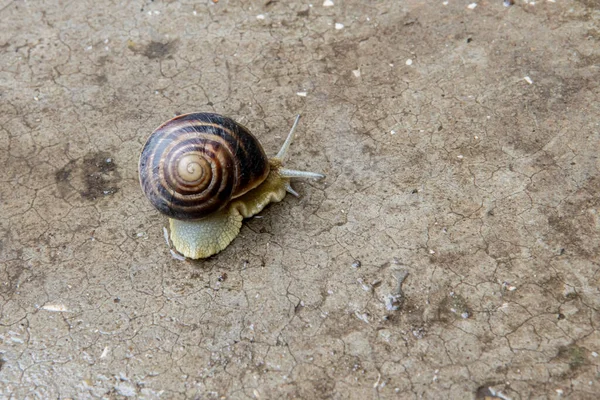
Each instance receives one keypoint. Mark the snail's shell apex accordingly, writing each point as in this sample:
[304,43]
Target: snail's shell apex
[194,164]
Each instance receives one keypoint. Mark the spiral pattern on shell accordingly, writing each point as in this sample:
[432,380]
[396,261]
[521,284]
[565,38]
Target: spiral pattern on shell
[194,164]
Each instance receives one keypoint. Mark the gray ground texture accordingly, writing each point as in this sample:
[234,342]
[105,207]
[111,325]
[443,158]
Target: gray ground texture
[451,252]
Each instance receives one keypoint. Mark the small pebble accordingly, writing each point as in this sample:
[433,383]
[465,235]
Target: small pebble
[339,26]
[356,264]
[328,3]
[472,6]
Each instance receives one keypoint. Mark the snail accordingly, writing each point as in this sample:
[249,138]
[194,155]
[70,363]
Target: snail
[207,173]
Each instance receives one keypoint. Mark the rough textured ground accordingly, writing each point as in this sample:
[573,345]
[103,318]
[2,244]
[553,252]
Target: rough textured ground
[473,167]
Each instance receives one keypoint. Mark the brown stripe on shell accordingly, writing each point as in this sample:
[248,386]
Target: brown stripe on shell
[222,184]
[221,162]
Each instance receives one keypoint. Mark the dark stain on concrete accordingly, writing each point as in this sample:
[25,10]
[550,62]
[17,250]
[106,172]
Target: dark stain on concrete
[63,174]
[62,178]
[12,274]
[453,307]
[572,354]
[573,224]
[100,79]
[100,175]
[94,176]
[155,50]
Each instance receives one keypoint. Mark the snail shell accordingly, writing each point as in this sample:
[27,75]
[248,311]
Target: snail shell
[207,173]
[195,164]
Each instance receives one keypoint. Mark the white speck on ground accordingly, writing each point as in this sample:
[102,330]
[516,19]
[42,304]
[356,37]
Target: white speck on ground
[392,302]
[55,308]
[528,80]
[328,3]
[362,316]
[301,94]
[125,389]
[409,62]
[377,382]
[365,286]
[472,6]
[339,26]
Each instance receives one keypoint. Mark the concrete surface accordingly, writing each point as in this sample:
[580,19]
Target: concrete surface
[461,148]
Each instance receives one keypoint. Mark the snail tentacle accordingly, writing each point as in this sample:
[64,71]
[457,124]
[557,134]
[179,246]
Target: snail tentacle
[286,145]
[290,190]
[293,173]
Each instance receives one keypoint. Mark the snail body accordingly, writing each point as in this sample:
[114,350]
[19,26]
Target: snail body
[207,173]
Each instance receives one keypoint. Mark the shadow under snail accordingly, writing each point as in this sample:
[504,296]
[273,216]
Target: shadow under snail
[207,173]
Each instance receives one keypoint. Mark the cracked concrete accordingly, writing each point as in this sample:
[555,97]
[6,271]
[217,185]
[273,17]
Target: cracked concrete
[460,146]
